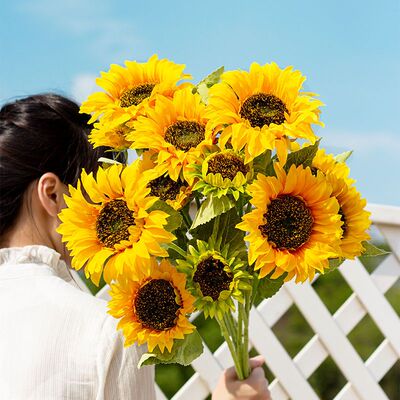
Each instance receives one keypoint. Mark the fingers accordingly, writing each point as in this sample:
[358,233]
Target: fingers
[257,375]
[230,374]
[256,362]
[259,384]
[257,379]
[254,387]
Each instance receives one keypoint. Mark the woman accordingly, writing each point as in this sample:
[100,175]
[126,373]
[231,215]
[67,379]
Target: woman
[57,342]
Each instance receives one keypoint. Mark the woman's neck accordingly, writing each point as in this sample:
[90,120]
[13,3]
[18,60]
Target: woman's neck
[25,232]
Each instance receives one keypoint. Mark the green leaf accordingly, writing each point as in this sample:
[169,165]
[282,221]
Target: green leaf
[303,156]
[335,263]
[372,251]
[174,221]
[261,162]
[268,287]
[231,235]
[202,90]
[214,77]
[202,232]
[269,170]
[211,208]
[343,157]
[207,82]
[147,359]
[183,352]
[227,233]
[140,152]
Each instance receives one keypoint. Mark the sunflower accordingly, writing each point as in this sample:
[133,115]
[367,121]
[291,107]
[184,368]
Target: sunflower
[110,135]
[129,89]
[176,129]
[152,306]
[214,278]
[295,226]
[221,171]
[263,109]
[174,193]
[112,226]
[329,166]
[355,218]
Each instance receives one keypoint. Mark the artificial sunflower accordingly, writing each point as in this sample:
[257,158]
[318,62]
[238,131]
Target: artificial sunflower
[112,228]
[295,226]
[355,218]
[153,306]
[110,135]
[221,171]
[176,129]
[330,166]
[263,109]
[214,278]
[174,193]
[128,90]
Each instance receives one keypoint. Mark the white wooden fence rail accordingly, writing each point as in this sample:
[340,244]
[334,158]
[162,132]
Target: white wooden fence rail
[331,331]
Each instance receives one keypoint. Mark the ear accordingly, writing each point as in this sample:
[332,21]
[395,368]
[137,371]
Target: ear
[51,193]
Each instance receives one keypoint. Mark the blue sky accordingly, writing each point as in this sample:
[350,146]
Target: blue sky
[349,51]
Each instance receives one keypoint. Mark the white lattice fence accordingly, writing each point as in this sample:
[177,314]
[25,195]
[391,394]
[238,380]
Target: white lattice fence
[330,338]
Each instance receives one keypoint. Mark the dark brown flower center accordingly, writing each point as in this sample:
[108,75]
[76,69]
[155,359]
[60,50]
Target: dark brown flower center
[212,278]
[227,164]
[263,109]
[165,188]
[314,170]
[113,222]
[135,95]
[288,223]
[185,134]
[155,305]
[343,218]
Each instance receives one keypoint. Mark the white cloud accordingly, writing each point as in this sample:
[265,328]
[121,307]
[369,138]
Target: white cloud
[82,86]
[93,22]
[364,142]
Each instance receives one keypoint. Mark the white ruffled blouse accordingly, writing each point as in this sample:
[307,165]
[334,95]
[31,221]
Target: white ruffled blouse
[58,342]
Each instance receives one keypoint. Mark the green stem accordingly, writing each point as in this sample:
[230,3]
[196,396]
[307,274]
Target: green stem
[231,325]
[215,233]
[198,204]
[246,312]
[176,248]
[188,216]
[181,238]
[187,219]
[240,206]
[240,337]
[232,349]
[256,283]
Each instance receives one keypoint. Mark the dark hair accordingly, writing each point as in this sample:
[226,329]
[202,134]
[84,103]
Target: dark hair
[39,134]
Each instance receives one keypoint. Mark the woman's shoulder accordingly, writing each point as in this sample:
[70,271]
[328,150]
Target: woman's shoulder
[80,303]
[36,282]
[87,317]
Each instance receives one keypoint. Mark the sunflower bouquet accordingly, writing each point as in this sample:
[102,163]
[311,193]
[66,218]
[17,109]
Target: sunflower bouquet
[230,196]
